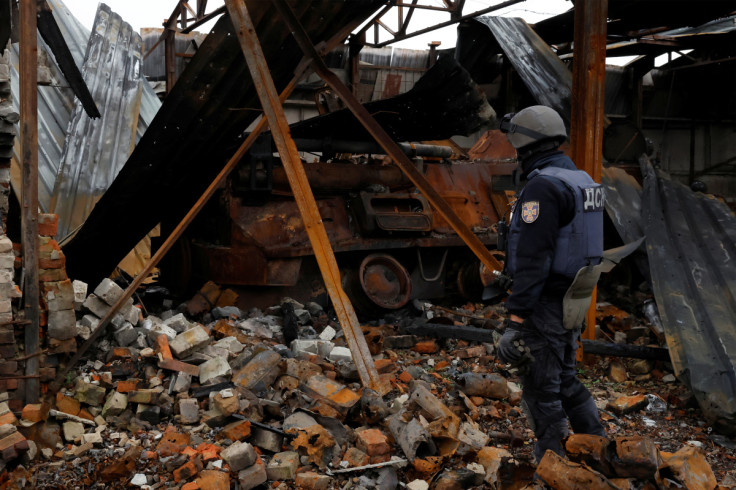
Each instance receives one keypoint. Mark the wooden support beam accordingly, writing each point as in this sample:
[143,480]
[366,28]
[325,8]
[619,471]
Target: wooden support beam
[187,220]
[588,100]
[170,58]
[303,196]
[28,76]
[354,48]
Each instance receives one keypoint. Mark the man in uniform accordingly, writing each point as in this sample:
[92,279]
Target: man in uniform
[555,230]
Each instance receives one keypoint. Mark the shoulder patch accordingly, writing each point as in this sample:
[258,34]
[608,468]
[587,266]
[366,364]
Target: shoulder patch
[530,211]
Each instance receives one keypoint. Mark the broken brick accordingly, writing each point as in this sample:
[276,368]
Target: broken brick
[627,404]
[12,445]
[67,404]
[128,385]
[213,480]
[172,443]
[47,224]
[425,347]
[283,466]
[313,481]
[373,442]
[239,455]
[188,470]
[253,476]
[236,431]
[355,457]
[33,412]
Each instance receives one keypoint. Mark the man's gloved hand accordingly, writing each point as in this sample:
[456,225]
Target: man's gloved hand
[508,350]
[504,282]
[524,365]
[511,348]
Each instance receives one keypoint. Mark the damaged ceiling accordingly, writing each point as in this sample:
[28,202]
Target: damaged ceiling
[417,115]
[196,130]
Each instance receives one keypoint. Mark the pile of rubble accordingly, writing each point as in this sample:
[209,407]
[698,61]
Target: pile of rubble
[166,401]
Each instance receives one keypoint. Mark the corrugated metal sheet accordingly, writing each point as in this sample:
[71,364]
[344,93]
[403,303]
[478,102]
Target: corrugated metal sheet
[543,73]
[56,103]
[691,243]
[199,126]
[154,66]
[623,206]
[96,149]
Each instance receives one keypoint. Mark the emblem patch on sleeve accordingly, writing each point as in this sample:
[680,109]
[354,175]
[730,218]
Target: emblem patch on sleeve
[530,211]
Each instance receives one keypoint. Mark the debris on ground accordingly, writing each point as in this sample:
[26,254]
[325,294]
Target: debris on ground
[171,399]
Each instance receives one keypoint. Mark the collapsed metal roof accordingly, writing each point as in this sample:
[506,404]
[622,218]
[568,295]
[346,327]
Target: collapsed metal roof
[197,129]
[445,102]
[682,38]
[56,103]
[96,149]
[632,19]
[544,74]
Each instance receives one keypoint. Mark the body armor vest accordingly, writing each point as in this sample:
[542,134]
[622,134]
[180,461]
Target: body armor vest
[580,242]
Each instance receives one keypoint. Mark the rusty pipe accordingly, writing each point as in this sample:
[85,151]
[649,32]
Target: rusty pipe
[346,146]
[347,177]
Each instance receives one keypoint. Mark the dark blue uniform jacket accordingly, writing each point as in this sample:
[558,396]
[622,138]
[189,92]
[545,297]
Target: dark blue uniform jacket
[537,240]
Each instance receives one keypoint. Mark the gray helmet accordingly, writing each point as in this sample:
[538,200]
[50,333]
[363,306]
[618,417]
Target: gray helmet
[533,124]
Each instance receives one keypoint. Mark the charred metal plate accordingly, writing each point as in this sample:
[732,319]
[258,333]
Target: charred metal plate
[543,73]
[691,242]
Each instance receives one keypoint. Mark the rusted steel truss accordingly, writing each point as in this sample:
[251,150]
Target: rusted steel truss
[403,11]
[274,113]
[385,141]
[180,16]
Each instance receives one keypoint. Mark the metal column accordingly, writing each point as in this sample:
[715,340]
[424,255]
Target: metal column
[274,113]
[28,76]
[385,141]
[588,98]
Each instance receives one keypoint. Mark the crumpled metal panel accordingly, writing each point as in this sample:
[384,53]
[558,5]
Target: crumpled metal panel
[543,73]
[199,126]
[691,242]
[416,115]
[154,64]
[623,202]
[56,103]
[96,149]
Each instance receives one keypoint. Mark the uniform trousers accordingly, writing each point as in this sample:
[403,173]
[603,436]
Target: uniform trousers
[552,392]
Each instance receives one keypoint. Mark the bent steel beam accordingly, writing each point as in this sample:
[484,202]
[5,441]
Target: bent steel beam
[303,196]
[383,139]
